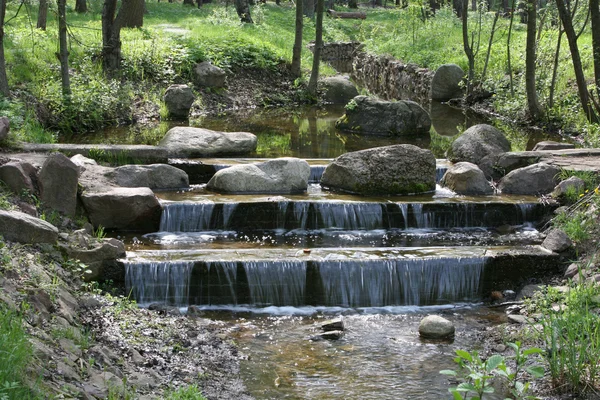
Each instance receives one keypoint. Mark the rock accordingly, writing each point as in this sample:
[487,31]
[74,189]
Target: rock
[194,312]
[154,176]
[499,348]
[190,142]
[207,75]
[445,84]
[164,309]
[19,227]
[574,185]
[336,324]
[517,319]
[572,270]
[4,128]
[58,184]
[16,177]
[131,209]
[528,291]
[82,161]
[535,179]
[466,178]
[338,89]
[557,241]
[509,295]
[481,145]
[281,175]
[178,100]
[103,254]
[550,145]
[397,169]
[28,209]
[369,116]
[328,335]
[436,327]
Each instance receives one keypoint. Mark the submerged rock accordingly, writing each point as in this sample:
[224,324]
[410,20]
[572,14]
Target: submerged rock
[535,179]
[436,327]
[398,169]
[198,142]
[281,175]
[466,178]
[369,116]
[19,227]
[336,324]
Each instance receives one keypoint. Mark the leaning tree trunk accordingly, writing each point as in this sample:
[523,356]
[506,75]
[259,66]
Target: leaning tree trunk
[533,104]
[80,6]
[297,52]
[3,79]
[243,11]
[111,37]
[584,96]
[63,53]
[132,13]
[42,15]
[595,18]
[314,75]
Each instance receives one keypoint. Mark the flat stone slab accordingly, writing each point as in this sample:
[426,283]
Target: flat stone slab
[568,159]
[129,153]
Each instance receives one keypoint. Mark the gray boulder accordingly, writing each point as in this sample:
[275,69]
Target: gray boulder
[207,75]
[58,180]
[436,327]
[535,179]
[129,209]
[179,99]
[481,145]
[82,161]
[338,89]
[445,84]
[551,145]
[187,142]
[281,175]
[573,184]
[398,169]
[23,228]
[557,241]
[101,254]
[466,178]
[4,128]
[369,116]
[154,176]
[14,174]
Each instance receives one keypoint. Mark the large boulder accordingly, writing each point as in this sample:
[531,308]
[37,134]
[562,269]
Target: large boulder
[16,175]
[128,209]
[179,99]
[445,84]
[398,169]
[58,180]
[369,116]
[154,176]
[535,179]
[187,142]
[4,128]
[436,327]
[466,178]
[338,89]
[101,254]
[573,185]
[281,175]
[557,241]
[481,145]
[207,75]
[23,228]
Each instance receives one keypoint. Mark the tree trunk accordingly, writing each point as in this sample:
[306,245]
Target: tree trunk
[354,3]
[533,105]
[308,8]
[42,15]
[297,52]
[489,50]
[132,13]
[595,18]
[243,11]
[63,54]
[188,2]
[111,37]
[467,46]
[80,6]
[508,57]
[314,75]
[584,96]
[3,79]
[555,67]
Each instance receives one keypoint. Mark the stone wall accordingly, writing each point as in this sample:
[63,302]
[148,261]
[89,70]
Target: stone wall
[338,54]
[390,79]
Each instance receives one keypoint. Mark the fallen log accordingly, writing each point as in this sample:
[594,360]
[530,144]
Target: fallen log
[347,15]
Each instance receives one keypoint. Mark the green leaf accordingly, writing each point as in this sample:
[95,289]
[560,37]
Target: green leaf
[519,386]
[513,346]
[537,371]
[488,389]
[456,394]
[533,350]
[464,354]
[493,362]
[448,372]
[466,387]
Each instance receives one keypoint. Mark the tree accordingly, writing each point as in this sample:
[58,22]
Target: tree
[3,79]
[63,52]
[533,104]
[308,8]
[243,11]
[314,74]
[468,46]
[297,52]
[111,36]
[132,12]
[42,15]
[80,6]
[595,20]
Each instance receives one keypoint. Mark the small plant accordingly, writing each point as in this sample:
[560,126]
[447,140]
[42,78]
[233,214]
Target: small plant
[351,106]
[190,392]
[15,353]
[99,233]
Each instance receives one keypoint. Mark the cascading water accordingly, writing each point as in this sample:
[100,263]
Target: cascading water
[281,283]
[164,282]
[186,217]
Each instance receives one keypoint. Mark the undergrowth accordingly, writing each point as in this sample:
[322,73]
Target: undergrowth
[15,356]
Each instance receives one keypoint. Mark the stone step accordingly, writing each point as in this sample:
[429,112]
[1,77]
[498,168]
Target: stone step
[586,159]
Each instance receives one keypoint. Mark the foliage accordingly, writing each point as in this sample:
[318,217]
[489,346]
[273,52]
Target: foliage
[571,334]
[478,376]
[15,354]
[579,221]
[190,392]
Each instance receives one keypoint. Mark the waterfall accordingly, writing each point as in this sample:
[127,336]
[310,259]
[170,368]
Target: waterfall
[186,217]
[439,173]
[280,283]
[165,282]
[316,172]
[349,215]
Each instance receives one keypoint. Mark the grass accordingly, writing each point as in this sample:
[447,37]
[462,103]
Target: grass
[191,392]
[15,355]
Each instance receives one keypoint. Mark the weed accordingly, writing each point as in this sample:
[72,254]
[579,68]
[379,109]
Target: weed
[99,233]
[15,353]
[190,392]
